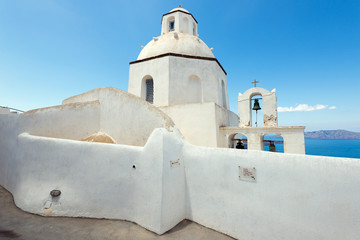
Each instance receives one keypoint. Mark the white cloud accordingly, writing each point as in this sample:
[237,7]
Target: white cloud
[304,108]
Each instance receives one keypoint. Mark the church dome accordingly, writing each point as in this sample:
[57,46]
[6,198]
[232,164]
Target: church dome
[179,8]
[178,43]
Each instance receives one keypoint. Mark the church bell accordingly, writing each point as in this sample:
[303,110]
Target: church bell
[272,147]
[256,105]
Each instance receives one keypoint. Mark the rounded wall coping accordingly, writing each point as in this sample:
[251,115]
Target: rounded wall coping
[122,94]
[254,91]
[72,105]
[262,130]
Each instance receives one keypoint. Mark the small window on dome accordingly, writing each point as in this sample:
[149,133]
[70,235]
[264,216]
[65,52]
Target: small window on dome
[171,25]
[194,29]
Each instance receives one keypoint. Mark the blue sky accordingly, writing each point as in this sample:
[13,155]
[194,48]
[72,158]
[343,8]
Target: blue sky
[308,50]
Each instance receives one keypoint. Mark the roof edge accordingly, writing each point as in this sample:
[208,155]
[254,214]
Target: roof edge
[178,11]
[178,55]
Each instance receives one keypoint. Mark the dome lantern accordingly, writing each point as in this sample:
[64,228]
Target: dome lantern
[177,67]
[179,20]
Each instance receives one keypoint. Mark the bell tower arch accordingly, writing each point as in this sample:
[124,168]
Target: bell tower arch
[269,107]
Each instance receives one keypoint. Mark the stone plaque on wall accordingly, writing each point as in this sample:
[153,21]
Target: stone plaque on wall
[247,173]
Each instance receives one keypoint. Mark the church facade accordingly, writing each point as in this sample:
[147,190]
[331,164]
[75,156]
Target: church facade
[160,153]
[178,73]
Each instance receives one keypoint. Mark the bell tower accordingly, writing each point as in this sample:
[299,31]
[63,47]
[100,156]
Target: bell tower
[293,136]
[269,101]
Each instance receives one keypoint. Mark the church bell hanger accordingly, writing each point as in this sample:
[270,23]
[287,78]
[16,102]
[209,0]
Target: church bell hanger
[256,107]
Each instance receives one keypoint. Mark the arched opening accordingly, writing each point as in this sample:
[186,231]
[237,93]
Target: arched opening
[171,24]
[267,101]
[238,141]
[273,143]
[194,92]
[256,115]
[147,89]
[186,25]
[223,94]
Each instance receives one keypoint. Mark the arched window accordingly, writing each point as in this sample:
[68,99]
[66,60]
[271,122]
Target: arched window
[238,141]
[171,24]
[273,143]
[185,25]
[194,29]
[149,96]
[223,94]
[194,92]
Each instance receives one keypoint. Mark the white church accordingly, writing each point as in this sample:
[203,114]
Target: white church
[164,151]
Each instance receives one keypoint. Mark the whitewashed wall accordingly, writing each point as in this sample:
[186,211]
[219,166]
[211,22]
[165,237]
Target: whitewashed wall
[123,116]
[8,147]
[294,196]
[158,69]
[100,180]
[199,123]
[171,84]
[71,121]
[209,73]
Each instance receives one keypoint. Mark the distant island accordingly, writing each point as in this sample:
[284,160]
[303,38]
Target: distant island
[332,134]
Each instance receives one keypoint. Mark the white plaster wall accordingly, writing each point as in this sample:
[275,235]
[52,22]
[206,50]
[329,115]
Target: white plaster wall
[209,73]
[199,123]
[174,198]
[294,197]
[126,118]
[8,146]
[99,180]
[222,77]
[270,116]
[196,122]
[158,69]
[171,75]
[71,121]
[294,141]
[233,119]
[4,110]
[224,118]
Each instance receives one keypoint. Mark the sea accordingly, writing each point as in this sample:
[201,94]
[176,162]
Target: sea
[348,148]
